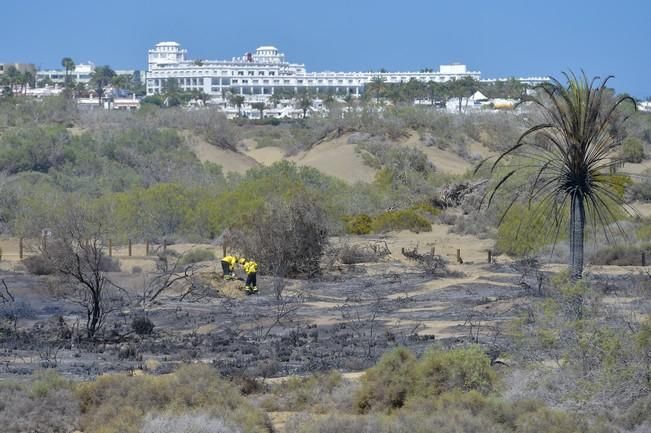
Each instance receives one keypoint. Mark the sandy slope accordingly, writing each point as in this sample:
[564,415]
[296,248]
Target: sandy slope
[445,161]
[229,160]
[266,155]
[336,158]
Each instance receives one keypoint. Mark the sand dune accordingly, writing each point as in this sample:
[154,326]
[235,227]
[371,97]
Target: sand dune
[337,158]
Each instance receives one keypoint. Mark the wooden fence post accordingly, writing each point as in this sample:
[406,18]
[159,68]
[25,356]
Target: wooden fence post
[129,247]
[643,258]
[164,245]
[490,256]
[146,248]
[110,248]
[459,259]
[0,254]
[433,251]
[20,248]
[44,242]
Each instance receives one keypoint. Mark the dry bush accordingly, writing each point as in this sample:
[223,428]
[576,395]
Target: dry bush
[431,264]
[39,265]
[46,404]
[621,255]
[287,237]
[318,393]
[192,387]
[187,423]
[370,252]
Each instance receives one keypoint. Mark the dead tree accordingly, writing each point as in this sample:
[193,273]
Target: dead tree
[78,256]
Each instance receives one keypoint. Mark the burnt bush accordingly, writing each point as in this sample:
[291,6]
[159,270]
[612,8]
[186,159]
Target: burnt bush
[142,325]
[39,265]
[621,255]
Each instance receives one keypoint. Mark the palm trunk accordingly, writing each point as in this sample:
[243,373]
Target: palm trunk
[577,225]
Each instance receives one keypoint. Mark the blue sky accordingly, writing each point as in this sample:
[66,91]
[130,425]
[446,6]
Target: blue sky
[498,37]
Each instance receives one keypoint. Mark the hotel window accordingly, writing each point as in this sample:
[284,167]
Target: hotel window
[251,72]
[340,81]
[234,81]
[245,81]
[299,81]
[272,73]
[265,81]
[240,72]
[285,81]
[276,81]
[254,81]
[261,73]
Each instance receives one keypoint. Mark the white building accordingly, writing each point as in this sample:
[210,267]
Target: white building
[258,75]
[81,74]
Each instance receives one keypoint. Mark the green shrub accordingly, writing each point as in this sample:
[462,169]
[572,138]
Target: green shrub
[404,219]
[465,369]
[632,150]
[524,230]
[358,224]
[386,386]
[196,256]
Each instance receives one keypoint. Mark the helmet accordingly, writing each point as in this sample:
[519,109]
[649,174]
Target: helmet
[242,260]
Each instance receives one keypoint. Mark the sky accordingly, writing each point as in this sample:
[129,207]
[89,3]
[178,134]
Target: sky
[500,38]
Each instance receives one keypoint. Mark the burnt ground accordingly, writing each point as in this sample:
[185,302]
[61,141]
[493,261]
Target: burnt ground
[344,320]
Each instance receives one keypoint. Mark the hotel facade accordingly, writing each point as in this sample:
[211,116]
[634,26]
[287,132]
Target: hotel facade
[257,76]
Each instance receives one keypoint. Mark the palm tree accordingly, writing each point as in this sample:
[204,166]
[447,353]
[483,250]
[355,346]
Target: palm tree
[260,107]
[238,101]
[572,150]
[377,86]
[304,103]
[100,78]
[461,88]
[69,65]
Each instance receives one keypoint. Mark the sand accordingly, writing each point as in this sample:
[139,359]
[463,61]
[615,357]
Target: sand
[337,158]
[266,155]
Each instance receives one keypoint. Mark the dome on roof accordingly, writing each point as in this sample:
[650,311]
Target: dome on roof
[267,48]
[168,44]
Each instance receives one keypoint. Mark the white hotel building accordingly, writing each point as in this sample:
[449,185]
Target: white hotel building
[257,75]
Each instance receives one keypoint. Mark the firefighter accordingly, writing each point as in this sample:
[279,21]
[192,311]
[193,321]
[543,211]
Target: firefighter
[251,269]
[228,266]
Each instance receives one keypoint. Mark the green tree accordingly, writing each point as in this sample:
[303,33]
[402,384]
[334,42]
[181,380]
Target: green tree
[100,78]
[572,151]
[632,150]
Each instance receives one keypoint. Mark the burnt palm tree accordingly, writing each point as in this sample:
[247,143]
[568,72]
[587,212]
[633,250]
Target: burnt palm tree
[572,150]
